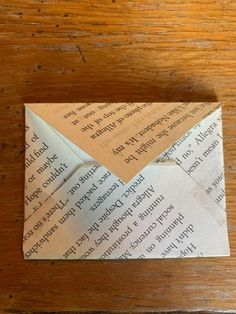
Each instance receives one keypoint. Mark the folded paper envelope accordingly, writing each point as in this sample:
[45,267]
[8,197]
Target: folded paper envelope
[124,180]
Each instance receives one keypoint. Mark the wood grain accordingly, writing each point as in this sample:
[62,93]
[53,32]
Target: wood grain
[68,50]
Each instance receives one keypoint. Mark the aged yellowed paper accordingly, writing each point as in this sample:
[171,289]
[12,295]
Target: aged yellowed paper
[124,137]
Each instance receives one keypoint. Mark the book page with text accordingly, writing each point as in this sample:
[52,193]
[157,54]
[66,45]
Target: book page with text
[48,162]
[124,137]
[161,213]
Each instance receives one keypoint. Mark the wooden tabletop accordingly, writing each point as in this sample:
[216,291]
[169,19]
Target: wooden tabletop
[116,50]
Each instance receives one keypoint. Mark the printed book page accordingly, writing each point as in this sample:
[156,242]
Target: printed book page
[48,162]
[96,215]
[175,207]
[200,154]
[123,137]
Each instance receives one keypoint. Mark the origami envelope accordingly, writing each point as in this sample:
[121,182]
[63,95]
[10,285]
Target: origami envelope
[124,180]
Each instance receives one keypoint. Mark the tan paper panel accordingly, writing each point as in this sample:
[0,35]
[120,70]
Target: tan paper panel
[124,137]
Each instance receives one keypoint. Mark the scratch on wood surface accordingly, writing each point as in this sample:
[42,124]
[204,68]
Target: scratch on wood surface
[201,43]
[3,176]
[21,152]
[78,48]
[55,47]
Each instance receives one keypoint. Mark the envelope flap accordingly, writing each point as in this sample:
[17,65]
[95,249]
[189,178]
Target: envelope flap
[124,137]
[48,162]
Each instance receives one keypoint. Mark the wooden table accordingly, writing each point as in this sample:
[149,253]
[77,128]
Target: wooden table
[117,50]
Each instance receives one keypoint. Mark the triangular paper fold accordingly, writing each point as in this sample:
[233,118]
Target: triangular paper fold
[124,137]
[48,162]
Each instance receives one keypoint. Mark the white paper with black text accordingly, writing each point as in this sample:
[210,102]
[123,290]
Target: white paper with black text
[76,208]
